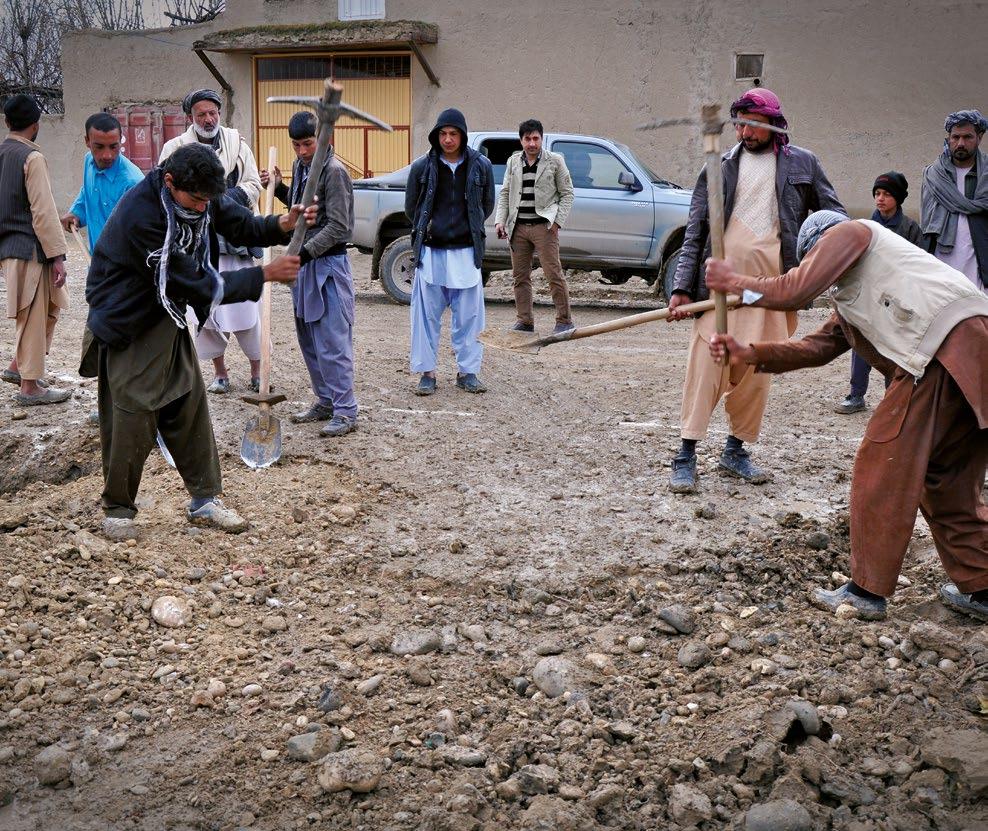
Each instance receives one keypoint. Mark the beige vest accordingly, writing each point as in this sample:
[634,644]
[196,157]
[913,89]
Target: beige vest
[903,300]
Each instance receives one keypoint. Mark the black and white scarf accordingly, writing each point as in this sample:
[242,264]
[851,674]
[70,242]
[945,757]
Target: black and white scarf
[187,233]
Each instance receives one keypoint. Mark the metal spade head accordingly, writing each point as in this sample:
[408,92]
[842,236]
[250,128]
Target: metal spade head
[261,445]
[525,342]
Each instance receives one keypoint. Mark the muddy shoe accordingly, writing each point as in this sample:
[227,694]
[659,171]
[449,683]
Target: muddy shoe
[219,386]
[683,478]
[317,412]
[470,382]
[867,608]
[120,529]
[426,386]
[12,377]
[214,514]
[560,328]
[851,404]
[339,426]
[964,603]
[46,396]
[522,327]
[738,463]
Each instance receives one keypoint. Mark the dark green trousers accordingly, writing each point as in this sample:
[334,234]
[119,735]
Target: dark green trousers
[128,436]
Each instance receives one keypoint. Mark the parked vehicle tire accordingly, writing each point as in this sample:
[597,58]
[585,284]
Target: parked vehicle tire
[398,270]
[485,276]
[669,273]
[614,277]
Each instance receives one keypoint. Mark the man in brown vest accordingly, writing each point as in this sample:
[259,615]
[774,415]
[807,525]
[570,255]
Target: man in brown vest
[32,252]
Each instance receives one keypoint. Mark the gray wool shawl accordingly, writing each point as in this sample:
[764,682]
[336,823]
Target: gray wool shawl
[942,201]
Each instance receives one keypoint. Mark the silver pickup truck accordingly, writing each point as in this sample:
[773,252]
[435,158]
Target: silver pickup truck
[626,219]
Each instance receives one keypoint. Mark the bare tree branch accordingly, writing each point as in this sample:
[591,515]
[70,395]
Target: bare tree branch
[184,12]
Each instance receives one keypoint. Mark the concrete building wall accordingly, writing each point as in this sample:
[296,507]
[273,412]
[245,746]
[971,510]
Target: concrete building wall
[865,86]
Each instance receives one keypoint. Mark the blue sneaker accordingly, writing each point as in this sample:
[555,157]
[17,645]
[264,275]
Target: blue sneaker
[683,478]
[964,603]
[738,463]
[339,426]
[470,382]
[426,386]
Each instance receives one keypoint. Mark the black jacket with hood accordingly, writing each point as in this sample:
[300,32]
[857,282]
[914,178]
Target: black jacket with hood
[423,180]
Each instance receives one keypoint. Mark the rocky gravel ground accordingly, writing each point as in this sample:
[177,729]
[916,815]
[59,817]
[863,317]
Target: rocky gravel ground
[477,612]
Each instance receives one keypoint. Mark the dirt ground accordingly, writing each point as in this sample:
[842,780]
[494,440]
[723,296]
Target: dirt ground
[487,610]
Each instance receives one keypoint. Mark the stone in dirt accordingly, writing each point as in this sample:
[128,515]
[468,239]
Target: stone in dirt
[929,636]
[354,770]
[778,815]
[309,747]
[554,676]
[537,779]
[416,642]
[468,757]
[548,813]
[329,700]
[274,623]
[53,765]
[171,611]
[694,655]
[688,805]
[963,753]
[679,618]
[807,715]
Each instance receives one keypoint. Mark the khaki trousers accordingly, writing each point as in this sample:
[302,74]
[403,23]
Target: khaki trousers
[35,307]
[745,393]
[922,450]
[527,240]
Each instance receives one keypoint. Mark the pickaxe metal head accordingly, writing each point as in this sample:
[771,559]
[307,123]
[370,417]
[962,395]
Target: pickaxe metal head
[330,112]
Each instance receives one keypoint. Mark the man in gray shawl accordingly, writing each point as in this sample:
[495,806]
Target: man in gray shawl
[954,210]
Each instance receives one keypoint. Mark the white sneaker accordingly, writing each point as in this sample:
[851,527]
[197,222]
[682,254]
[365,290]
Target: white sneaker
[119,529]
[214,514]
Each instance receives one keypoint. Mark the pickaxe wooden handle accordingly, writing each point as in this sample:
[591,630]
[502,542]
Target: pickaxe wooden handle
[712,125]
[328,109]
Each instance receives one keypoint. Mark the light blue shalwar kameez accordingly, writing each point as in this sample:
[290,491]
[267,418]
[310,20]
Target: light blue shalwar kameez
[447,277]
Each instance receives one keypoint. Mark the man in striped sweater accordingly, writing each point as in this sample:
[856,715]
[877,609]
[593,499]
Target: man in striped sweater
[533,205]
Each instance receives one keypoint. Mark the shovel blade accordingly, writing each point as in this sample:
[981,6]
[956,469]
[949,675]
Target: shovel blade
[261,445]
[524,342]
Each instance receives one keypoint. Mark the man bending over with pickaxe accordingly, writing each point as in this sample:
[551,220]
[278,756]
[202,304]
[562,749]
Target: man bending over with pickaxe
[924,325]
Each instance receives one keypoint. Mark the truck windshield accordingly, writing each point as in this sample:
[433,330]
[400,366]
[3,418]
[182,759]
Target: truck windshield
[653,177]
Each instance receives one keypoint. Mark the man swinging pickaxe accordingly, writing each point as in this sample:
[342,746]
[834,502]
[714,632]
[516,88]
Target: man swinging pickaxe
[712,125]
[261,445]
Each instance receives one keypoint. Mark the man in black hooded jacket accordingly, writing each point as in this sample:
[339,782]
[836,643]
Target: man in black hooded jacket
[157,256]
[450,193]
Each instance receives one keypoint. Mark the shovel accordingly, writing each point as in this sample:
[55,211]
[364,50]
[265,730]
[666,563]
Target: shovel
[531,344]
[261,445]
[85,255]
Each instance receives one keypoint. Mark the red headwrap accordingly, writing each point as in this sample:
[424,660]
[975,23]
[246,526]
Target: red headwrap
[764,102]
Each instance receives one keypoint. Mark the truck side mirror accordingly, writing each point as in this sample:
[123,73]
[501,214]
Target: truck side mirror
[627,178]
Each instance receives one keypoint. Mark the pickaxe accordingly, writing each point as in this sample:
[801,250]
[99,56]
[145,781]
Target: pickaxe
[713,125]
[261,444]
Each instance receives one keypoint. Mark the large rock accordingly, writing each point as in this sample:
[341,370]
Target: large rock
[537,779]
[308,747]
[554,675]
[354,770]
[689,806]
[929,636]
[416,642]
[778,815]
[679,618]
[963,753]
[550,813]
[694,655]
[171,611]
[53,765]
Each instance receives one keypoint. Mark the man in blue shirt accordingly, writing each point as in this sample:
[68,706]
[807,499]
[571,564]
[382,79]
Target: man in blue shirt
[107,176]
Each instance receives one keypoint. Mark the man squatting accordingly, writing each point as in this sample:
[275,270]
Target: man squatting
[323,297]
[770,186]
[156,257]
[924,325]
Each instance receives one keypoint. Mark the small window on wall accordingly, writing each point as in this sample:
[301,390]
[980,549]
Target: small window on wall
[748,66]
[361,10]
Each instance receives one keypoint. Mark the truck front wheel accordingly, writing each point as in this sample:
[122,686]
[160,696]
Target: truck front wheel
[397,270]
[669,273]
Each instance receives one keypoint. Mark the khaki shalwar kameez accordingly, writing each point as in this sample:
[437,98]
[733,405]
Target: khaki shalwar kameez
[32,301]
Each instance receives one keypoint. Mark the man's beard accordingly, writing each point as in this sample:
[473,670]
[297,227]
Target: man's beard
[207,134]
[960,155]
[759,147]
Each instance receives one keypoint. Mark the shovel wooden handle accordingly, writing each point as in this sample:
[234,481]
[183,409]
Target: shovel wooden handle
[265,384]
[730,301]
[81,244]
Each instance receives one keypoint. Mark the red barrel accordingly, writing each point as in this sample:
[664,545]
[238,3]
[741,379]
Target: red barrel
[174,122]
[140,137]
